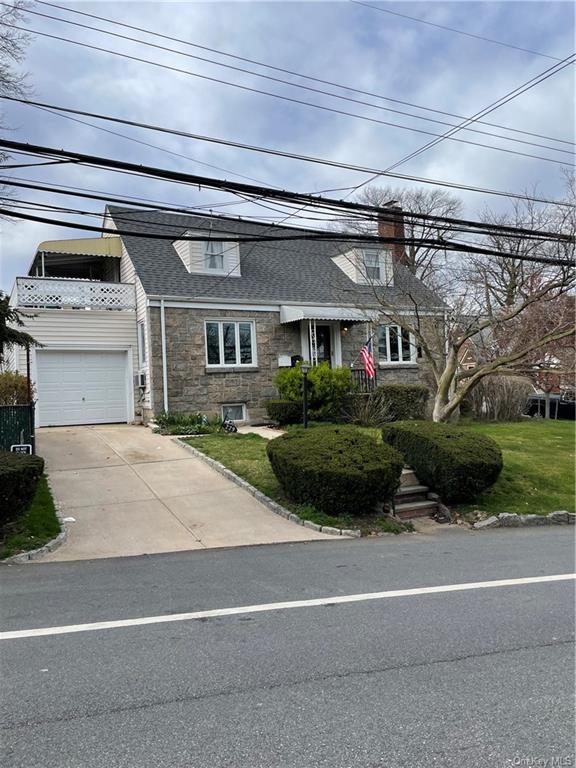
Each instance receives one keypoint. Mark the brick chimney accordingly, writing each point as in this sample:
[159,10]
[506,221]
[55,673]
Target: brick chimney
[392,225]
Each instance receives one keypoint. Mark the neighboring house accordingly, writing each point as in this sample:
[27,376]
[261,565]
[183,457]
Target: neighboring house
[134,325]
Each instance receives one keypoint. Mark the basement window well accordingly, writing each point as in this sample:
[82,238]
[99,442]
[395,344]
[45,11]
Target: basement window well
[234,412]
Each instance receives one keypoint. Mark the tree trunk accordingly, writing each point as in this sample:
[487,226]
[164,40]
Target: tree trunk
[546,405]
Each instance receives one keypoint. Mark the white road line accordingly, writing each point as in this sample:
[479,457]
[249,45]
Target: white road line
[260,608]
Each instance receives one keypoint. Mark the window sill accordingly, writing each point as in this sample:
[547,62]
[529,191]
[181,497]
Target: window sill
[231,369]
[397,365]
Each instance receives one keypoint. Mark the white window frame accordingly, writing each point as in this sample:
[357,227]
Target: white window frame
[142,356]
[207,255]
[236,321]
[413,347]
[225,406]
[376,255]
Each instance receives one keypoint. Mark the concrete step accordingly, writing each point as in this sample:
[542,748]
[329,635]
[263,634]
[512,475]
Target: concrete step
[408,477]
[424,508]
[410,490]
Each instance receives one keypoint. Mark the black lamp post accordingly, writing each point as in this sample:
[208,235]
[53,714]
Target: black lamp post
[305,368]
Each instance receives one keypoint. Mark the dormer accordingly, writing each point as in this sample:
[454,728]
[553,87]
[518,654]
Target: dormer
[217,255]
[367,266]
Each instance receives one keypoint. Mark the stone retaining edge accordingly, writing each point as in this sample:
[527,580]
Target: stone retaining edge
[510,520]
[50,546]
[272,505]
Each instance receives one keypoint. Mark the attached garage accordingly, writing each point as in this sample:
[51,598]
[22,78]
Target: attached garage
[82,387]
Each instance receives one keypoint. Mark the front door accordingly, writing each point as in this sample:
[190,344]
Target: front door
[323,344]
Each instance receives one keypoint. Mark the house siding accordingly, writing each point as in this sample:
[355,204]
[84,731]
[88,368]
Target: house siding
[79,329]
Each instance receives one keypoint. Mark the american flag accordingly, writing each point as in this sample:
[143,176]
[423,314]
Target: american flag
[368,360]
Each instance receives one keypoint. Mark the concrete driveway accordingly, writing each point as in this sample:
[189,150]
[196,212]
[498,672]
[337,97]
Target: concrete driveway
[132,492]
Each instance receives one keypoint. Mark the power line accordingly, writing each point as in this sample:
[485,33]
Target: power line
[276,79]
[251,190]
[289,155]
[518,91]
[529,84]
[292,72]
[448,29]
[445,245]
[277,95]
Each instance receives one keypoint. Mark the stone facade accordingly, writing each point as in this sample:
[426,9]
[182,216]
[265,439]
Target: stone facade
[192,386]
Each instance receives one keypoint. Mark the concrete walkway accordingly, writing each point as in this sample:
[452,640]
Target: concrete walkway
[132,492]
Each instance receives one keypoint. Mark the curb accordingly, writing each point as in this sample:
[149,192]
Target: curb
[272,505]
[510,520]
[50,546]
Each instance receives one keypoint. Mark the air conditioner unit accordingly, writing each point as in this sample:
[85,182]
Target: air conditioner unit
[141,380]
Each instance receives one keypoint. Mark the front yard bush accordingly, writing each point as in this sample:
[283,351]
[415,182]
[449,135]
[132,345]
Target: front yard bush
[284,411]
[407,401]
[455,463]
[19,475]
[339,470]
[187,424]
[14,389]
[327,389]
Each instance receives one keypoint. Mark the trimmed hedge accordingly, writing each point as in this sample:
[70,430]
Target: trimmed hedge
[284,411]
[455,463]
[407,401]
[19,475]
[339,470]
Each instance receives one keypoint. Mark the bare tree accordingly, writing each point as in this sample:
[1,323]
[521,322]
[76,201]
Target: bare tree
[428,264]
[13,44]
[507,310]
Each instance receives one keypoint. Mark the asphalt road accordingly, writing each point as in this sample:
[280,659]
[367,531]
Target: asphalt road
[464,679]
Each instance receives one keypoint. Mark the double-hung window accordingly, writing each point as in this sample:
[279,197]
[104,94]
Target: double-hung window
[396,345]
[372,268]
[214,256]
[230,342]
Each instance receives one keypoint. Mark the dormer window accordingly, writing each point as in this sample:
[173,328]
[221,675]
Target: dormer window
[214,256]
[372,267]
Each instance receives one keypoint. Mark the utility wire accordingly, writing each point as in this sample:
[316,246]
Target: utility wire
[444,244]
[92,28]
[289,155]
[276,95]
[291,72]
[536,80]
[248,189]
[447,29]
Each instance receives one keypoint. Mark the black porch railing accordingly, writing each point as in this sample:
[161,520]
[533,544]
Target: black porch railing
[362,383]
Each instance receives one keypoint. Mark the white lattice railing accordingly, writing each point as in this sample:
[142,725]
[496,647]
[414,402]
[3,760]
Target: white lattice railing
[68,292]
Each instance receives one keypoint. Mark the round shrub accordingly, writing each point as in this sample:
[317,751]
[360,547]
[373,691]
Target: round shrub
[339,470]
[284,411]
[19,475]
[455,463]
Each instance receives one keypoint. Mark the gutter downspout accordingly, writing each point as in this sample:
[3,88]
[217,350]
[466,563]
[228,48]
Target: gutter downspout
[164,366]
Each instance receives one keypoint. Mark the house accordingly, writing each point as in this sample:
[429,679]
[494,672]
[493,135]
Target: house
[179,315]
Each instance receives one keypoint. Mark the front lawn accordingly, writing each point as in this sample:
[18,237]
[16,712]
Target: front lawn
[246,456]
[33,528]
[538,475]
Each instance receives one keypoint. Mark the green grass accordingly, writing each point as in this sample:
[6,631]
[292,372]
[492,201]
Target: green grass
[538,475]
[246,456]
[34,528]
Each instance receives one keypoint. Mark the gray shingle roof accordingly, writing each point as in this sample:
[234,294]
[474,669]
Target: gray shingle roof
[287,271]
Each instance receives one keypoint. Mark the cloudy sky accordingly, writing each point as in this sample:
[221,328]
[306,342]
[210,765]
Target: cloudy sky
[345,43]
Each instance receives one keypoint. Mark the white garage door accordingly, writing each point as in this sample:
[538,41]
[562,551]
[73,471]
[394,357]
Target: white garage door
[81,387]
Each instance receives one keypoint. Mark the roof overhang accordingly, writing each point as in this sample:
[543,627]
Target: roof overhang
[292,314]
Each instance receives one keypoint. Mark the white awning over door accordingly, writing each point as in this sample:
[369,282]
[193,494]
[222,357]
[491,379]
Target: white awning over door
[291,314]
